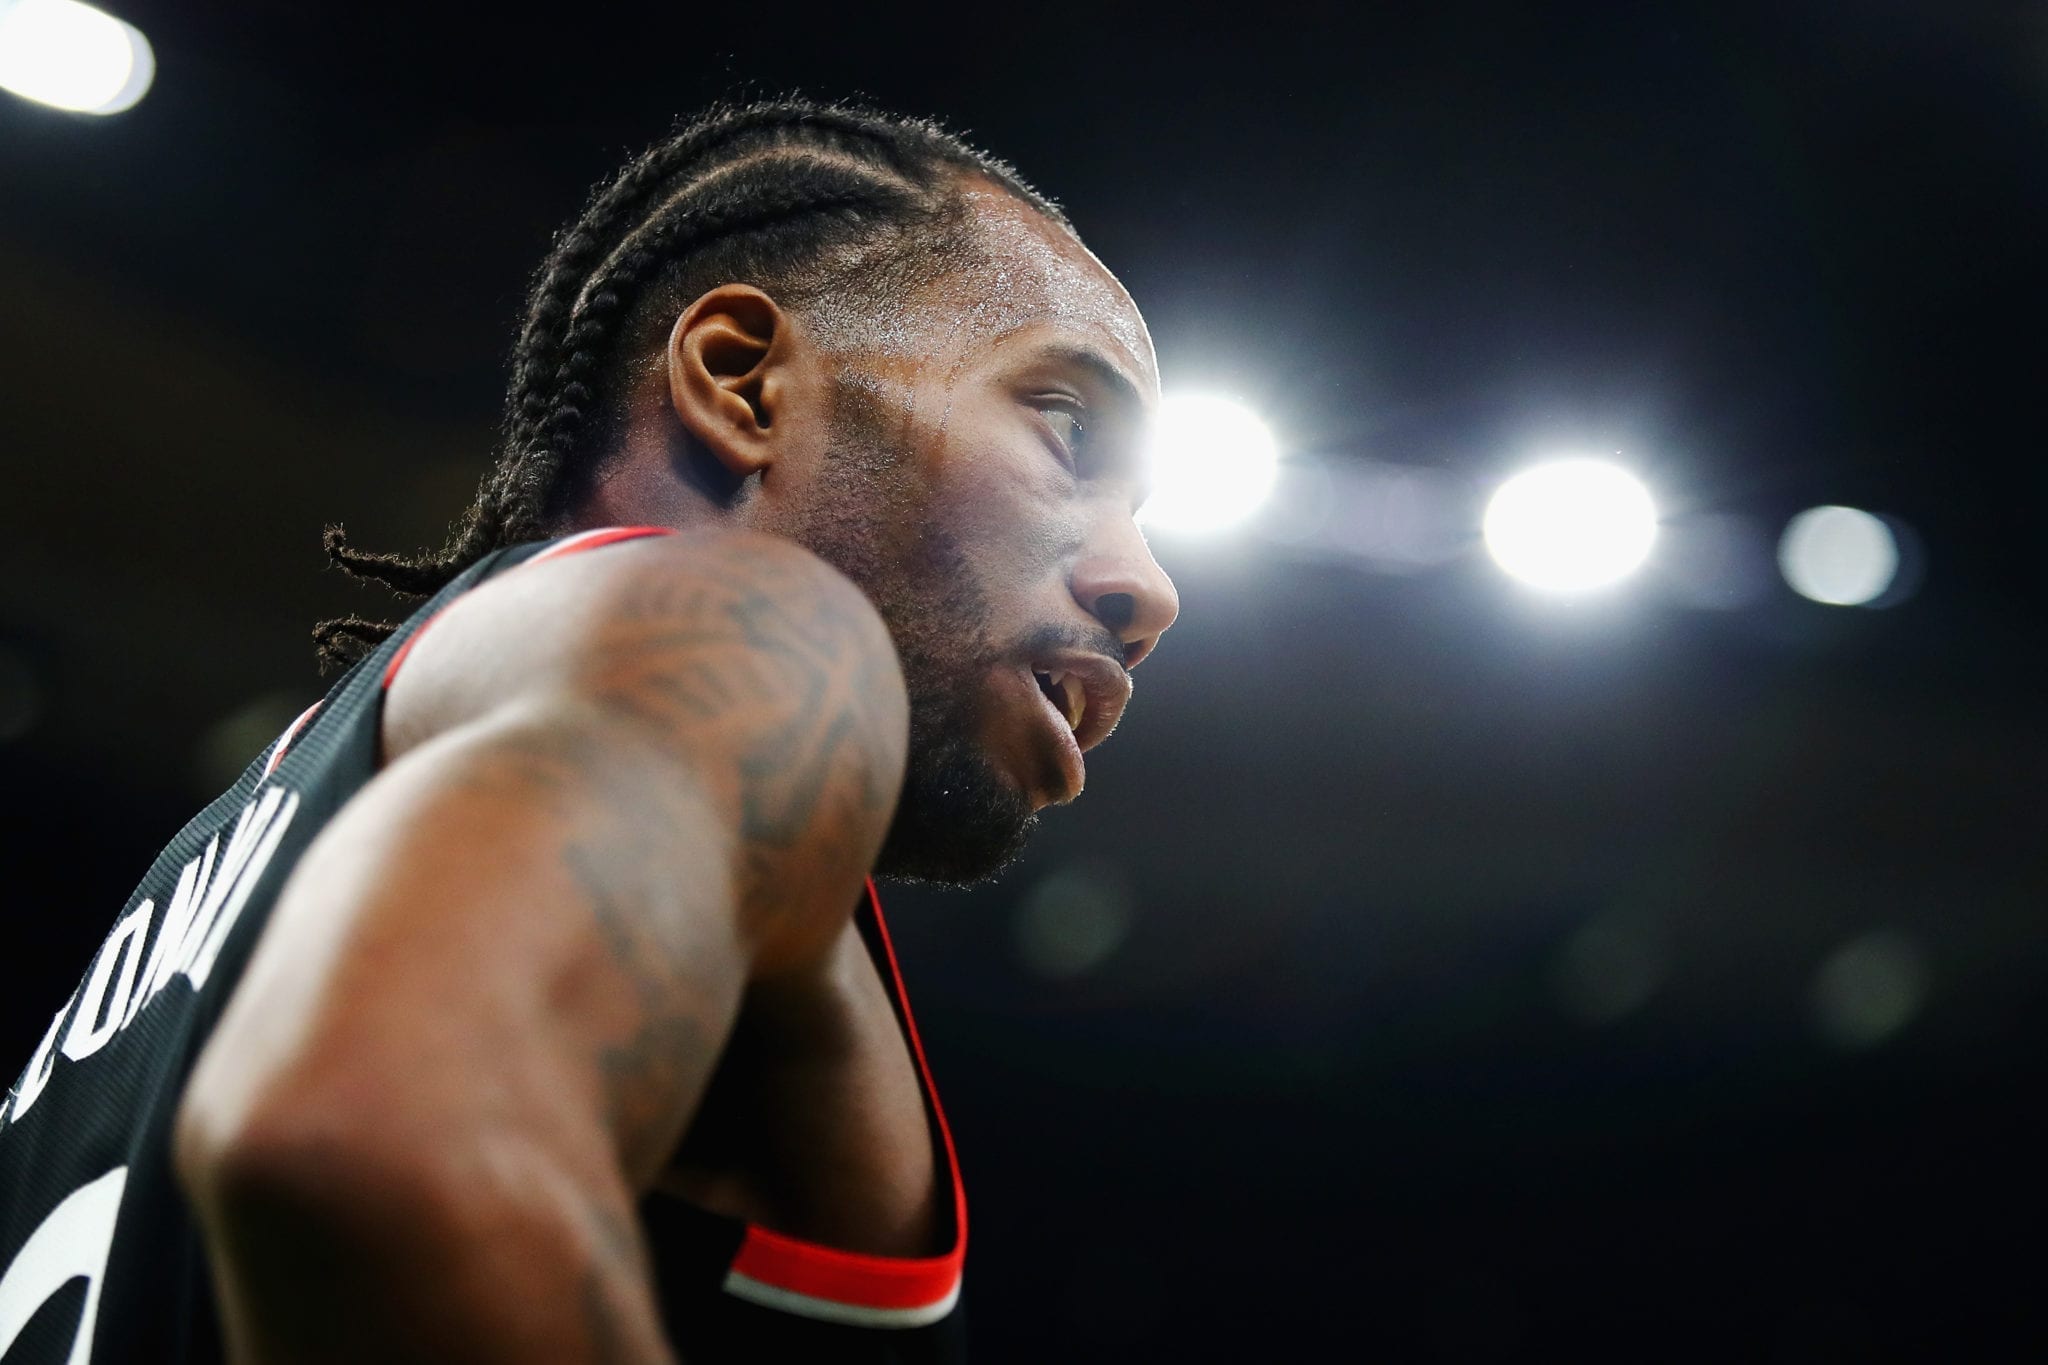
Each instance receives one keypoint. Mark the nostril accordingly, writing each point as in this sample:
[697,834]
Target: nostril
[1116,610]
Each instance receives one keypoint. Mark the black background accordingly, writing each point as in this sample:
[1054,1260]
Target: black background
[1354,1077]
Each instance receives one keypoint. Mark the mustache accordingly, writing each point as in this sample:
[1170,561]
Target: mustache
[1054,639]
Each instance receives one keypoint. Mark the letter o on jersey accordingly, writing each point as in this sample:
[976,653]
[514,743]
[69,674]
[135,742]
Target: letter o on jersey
[98,1016]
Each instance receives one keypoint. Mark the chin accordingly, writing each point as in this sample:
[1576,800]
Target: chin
[958,823]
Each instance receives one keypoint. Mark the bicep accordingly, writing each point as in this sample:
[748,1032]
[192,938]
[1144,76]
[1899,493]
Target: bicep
[736,655]
[618,789]
[519,929]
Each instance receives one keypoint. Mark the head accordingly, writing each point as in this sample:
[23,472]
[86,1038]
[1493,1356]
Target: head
[855,332]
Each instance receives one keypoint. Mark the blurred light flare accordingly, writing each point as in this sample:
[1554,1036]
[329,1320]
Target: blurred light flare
[1073,921]
[1611,966]
[1212,460]
[1716,561]
[71,56]
[1570,525]
[1387,518]
[1869,988]
[232,742]
[1839,556]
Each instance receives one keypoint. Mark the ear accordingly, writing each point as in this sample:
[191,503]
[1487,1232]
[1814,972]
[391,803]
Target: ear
[726,357]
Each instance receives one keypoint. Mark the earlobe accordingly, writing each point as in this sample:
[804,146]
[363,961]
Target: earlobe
[723,357]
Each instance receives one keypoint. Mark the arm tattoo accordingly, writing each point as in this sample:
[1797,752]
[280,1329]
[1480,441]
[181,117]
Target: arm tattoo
[782,679]
[672,1041]
[752,650]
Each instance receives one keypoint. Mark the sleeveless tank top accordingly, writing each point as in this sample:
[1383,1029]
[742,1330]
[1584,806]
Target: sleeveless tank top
[100,1260]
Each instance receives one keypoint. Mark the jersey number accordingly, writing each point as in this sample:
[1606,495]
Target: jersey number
[73,1241]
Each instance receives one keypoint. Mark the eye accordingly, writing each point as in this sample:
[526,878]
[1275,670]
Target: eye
[1069,428]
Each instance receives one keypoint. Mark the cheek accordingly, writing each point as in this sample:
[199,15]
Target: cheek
[1010,508]
[994,479]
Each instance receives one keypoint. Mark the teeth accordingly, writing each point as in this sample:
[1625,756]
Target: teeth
[1065,691]
[1076,698]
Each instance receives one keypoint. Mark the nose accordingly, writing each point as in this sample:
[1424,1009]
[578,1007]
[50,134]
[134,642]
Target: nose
[1121,585]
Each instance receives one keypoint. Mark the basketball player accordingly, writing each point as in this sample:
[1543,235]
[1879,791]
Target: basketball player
[528,1000]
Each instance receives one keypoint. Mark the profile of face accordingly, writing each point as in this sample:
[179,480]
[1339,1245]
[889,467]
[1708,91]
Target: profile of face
[974,464]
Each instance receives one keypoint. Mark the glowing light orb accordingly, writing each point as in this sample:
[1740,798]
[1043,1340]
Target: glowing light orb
[1570,525]
[1869,988]
[1838,555]
[71,56]
[1213,462]
[1074,921]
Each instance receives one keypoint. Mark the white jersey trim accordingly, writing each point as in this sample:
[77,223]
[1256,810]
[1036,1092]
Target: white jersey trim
[830,1310]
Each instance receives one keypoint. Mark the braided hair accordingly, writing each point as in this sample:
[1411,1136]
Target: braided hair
[822,205]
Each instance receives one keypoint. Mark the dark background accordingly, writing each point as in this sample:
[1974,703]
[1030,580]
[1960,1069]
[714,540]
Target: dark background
[1433,971]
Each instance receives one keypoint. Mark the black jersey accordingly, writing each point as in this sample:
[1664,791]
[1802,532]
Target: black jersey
[100,1260]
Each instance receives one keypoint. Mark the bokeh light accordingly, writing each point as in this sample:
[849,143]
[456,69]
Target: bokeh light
[1869,988]
[230,743]
[72,56]
[1838,555]
[1611,966]
[1070,923]
[1213,462]
[1570,525]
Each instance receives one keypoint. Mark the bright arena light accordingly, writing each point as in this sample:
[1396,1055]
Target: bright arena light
[1570,525]
[1838,555]
[1213,462]
[72,56]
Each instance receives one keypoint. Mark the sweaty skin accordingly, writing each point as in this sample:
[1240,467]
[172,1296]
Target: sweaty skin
[938,470]
[587,936]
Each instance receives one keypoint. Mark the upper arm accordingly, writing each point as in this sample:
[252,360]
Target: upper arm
[740,658]
[618,786]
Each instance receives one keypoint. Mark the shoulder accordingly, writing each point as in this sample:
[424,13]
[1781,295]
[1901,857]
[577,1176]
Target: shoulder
[681,629]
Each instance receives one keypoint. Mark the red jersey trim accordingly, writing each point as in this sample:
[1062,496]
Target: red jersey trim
[284,741]
[590,540]
[582,540]
[801,1277]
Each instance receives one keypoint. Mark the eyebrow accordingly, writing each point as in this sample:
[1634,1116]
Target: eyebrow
[1123,392]
[1106,372]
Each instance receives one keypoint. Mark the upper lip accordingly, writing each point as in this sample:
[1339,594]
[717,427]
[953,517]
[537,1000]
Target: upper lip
[1105,688]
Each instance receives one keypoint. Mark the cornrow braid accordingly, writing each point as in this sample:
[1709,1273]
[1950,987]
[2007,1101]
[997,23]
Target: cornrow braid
[806,200]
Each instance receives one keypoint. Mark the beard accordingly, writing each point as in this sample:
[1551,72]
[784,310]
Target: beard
[959,820]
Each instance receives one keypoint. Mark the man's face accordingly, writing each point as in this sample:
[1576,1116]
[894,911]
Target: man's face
[980,484]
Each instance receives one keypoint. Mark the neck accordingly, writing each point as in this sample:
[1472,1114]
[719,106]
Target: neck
[658,478]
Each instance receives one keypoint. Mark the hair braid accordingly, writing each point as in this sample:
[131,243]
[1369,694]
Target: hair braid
[490,519]
[773,193]
[586,345]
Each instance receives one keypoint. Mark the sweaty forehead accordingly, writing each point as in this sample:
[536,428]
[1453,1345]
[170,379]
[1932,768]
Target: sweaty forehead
[1031,271]
[1011,269]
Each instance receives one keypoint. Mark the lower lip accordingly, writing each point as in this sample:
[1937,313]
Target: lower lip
[1073,770]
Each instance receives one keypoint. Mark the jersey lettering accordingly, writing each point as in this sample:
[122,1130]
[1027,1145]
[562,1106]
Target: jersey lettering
[257,834]
[72,1242]
[39,1067]
[58,1270]
[88,1034]
[212,889]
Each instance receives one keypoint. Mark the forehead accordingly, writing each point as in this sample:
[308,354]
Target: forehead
[1031,273]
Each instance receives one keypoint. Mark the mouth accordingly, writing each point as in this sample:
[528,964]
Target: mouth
[1066,694]
[1086,693]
